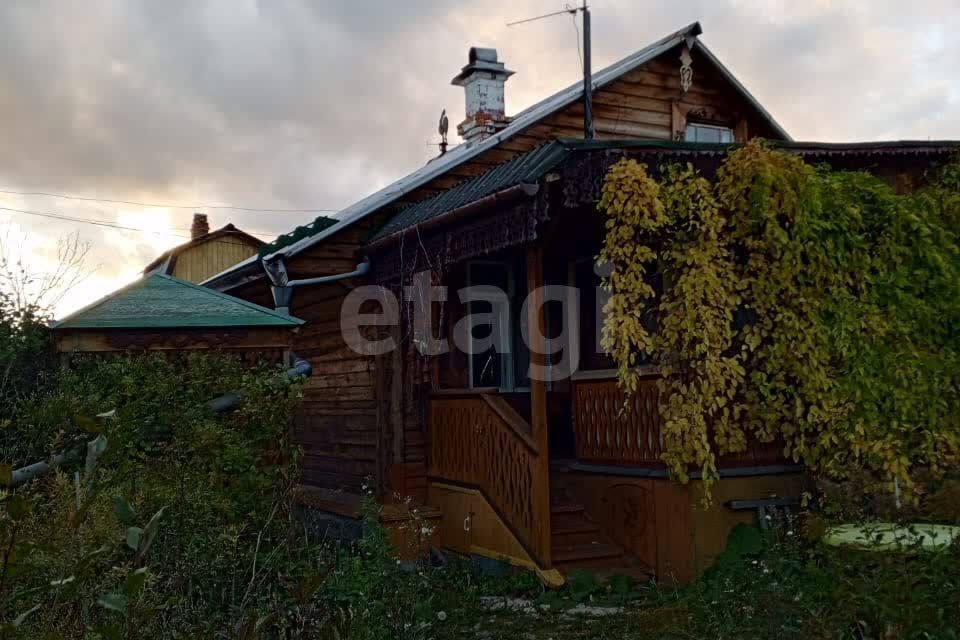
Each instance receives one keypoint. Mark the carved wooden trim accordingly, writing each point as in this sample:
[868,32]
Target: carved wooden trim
[471,444]
[682,113]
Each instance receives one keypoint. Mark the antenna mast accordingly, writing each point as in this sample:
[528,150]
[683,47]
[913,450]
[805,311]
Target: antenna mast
[587,73]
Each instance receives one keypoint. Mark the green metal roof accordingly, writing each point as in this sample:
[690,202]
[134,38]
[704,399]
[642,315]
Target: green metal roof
[522,169]
[159,301]
[318,225]
[531,166]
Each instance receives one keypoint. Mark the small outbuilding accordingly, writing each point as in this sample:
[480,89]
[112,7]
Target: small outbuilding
[207,253]
[164,314]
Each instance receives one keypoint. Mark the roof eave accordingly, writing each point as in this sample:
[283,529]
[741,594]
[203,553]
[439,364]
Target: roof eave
[238,272]
[286,320]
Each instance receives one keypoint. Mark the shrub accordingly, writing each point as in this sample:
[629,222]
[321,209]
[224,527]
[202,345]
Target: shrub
[211,493]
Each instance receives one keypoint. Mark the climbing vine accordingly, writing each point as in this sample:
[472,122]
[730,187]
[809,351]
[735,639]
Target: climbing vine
[696,328]
[814,308]
[636,214]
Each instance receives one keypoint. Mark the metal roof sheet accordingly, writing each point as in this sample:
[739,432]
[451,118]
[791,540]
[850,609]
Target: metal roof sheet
[533,165]
[159,301]
[305,231]
[525,168]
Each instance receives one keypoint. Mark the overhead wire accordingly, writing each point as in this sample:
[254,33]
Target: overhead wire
[163,206]
[110,224]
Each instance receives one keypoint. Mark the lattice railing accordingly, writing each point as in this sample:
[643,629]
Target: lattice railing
[607,431]
[478,440]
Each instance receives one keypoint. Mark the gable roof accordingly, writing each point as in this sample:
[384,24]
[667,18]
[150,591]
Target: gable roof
[159,301]
[165,260]
[520,122]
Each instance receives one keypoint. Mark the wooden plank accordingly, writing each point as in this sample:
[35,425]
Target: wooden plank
[616,113]
[538,405]
[396,397]
[621,128]
[340,380]
[674,537]
[497,155]
[321,404]
[572,321]
[512,419]
[639,101]
[116,340]
[312,267]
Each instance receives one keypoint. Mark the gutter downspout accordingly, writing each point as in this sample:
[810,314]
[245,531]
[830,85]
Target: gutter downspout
[282,289]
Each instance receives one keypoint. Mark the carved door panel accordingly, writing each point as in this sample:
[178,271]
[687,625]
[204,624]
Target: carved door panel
[630,521]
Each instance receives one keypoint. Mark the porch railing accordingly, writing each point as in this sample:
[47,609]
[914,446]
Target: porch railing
[478,439]
[609,432]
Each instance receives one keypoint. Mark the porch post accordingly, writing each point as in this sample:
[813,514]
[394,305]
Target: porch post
[538,405]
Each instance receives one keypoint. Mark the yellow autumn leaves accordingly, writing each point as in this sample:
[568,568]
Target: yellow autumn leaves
[781,312]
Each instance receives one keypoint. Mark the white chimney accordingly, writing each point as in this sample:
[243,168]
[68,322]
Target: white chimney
[482,81]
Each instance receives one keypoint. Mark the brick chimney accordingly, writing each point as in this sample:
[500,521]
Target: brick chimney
[200,226]
[482,81]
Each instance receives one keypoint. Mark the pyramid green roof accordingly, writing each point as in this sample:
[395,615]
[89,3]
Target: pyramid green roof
[159,301]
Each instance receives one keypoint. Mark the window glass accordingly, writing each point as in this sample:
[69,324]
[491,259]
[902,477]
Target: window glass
[508,368]
[519,351]
[487,366]
[708,133]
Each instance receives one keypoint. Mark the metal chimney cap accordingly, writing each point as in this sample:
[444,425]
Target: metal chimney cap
[483,54]
[481,59]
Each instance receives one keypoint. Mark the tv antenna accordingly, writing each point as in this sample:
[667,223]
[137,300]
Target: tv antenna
[587,76]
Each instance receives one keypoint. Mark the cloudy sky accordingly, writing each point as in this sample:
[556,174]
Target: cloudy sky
[305,104]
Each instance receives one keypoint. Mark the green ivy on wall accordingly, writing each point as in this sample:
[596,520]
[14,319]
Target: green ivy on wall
[813,307]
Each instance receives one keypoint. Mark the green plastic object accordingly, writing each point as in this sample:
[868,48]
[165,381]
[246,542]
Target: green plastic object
[885,536]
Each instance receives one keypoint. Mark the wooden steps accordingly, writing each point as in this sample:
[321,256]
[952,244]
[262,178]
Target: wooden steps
[566,507]
[574,533]
[580,543]
[580,553]
[577,541]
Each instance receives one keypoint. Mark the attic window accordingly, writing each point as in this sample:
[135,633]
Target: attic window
[708,133]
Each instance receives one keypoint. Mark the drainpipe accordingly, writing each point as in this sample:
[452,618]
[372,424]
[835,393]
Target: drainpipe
[301,369]
[282,288]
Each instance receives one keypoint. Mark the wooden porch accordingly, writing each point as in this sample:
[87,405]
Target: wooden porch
[610,509]
[567,474]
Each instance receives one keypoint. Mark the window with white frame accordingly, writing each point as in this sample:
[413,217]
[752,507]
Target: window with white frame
[697,132]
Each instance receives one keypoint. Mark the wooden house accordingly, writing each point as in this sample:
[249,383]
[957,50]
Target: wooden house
[207,253]
[544,473]
[162,314]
